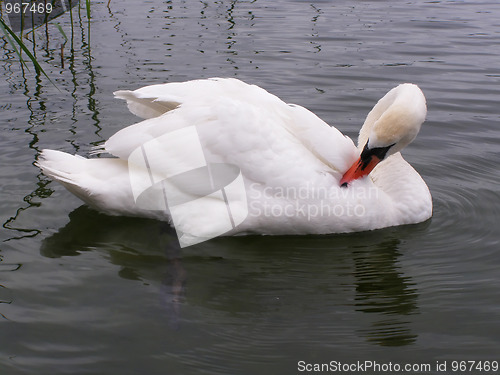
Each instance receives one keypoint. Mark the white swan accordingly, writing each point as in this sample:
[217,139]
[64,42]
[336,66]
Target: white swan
[219,156]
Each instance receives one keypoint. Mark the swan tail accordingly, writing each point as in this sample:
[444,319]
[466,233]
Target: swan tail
[65,169]
[102,183]
[59,165]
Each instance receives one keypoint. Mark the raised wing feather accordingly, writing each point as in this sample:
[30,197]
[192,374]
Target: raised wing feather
[270,141]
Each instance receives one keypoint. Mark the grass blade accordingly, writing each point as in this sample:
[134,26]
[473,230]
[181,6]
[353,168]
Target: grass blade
[4,28]
[61,31]
[87,4]
[8,31]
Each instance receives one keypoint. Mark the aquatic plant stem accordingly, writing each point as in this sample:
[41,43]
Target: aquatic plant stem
[9,33]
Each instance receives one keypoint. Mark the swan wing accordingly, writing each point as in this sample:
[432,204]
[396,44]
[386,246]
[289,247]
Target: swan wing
[270,141]
[155,100]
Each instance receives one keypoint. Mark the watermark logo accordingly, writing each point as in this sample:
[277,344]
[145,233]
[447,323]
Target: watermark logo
[204,200]
[309,202]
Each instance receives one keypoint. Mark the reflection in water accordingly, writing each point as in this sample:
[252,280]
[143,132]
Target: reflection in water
[382,289]
[38,101]
[175,275]
[148,251]
[6,295]
[151,253]
[315,33]
[37,115]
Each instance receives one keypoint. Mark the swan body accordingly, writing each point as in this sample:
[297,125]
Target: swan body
[276,167]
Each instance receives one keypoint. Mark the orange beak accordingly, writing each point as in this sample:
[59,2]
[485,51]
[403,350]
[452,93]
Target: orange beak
[359,169]
[368,159]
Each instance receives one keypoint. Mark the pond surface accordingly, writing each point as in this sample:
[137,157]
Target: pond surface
[83,293]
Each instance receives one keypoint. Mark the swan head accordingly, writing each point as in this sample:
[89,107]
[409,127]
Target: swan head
[391,125]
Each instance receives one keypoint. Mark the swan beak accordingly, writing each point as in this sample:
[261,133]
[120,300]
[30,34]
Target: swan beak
[368,159]
[358,169]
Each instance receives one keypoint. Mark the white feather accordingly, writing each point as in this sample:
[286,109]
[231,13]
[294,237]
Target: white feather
[290,160]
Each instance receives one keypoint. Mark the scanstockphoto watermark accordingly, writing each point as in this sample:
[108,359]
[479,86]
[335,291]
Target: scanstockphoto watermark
[306,211]
[308,202]
[366,366]
[377,367]
[309,191]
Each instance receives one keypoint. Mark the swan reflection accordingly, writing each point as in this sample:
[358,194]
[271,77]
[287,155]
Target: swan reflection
[295,279]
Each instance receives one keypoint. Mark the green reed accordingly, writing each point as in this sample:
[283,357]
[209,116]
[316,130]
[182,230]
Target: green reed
[19,46]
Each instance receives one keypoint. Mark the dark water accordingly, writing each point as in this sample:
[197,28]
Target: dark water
[83,293]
